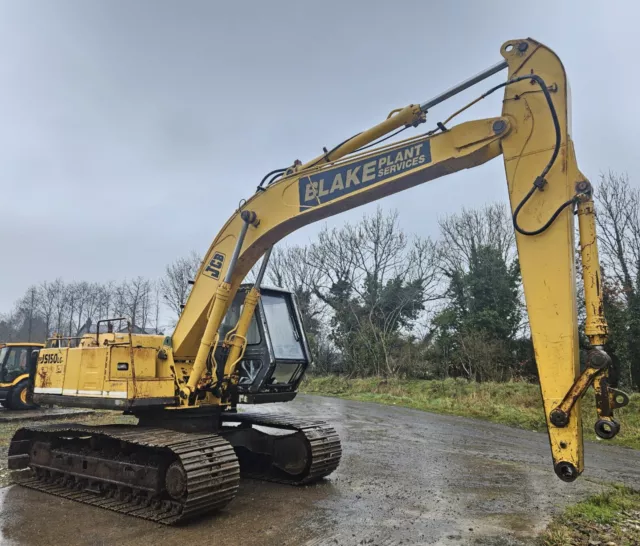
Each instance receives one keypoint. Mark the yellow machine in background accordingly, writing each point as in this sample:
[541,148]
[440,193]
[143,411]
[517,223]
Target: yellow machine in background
[238,343]
[16,374]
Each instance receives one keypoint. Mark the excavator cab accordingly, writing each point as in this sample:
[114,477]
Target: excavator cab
[277,353]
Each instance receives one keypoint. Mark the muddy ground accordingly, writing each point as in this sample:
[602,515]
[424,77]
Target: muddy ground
[406,477]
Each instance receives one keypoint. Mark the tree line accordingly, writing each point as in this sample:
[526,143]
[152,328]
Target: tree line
[378,301]
[71,308]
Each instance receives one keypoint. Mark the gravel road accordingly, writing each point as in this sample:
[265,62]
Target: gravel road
[406,477]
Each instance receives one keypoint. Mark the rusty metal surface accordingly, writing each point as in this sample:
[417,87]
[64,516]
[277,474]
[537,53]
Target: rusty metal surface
[607,398]
[577,390]
[209,462]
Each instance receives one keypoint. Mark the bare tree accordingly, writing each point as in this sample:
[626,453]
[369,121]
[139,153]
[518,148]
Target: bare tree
[462,234]
[106,301]
[69,309]
[92,302]
[376,281]
[369,254]
[289,267]
[618,222]
[27,311]
[47,295]
[9,326]
[619,229]
[136,300]
[73,297]
[83,306]
[59,294]
[175,285]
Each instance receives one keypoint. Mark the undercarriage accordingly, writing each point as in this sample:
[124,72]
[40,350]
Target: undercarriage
[171,476]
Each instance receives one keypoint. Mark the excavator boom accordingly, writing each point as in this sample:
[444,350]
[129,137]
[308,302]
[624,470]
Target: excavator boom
[545,187]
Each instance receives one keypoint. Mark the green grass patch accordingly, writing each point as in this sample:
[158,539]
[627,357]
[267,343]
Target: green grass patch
[516,404]
[612,516]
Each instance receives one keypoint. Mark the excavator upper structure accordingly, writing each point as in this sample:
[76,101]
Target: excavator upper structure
[237,343]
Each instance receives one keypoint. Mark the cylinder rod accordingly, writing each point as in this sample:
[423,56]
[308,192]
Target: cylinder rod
[236,252]
[595,324]
[464,85]
[263,267]
[237,338]
[215,317]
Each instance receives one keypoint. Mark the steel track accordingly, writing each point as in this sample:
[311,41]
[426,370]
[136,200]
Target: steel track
[323,445]
[210,465]
[211,468]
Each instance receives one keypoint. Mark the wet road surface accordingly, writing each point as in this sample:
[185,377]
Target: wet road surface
[41,414]
[406,477]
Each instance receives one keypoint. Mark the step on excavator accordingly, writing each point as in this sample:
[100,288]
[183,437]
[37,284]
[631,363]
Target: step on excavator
[239,344]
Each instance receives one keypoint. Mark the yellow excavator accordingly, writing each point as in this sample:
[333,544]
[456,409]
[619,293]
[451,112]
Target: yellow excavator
[238,344]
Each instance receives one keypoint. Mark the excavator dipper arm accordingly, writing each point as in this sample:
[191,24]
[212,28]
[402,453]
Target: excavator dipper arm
[545,188]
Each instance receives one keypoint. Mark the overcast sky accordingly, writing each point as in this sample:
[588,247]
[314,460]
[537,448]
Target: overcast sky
[130,129]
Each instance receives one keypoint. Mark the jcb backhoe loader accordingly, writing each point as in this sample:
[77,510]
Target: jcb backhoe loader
[16,374]
[237,344]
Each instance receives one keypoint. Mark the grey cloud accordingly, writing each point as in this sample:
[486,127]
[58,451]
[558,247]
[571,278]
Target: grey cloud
[140,125]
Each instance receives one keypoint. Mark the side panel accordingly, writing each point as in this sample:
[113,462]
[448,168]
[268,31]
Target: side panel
[50,373]
[98,376]
[141,379]
[91,372]
[152,389]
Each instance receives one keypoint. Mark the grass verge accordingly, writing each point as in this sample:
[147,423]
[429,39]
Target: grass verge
[514,404]
[611,517]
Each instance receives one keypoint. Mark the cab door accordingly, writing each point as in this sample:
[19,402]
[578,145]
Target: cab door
[15,363]
[4,353]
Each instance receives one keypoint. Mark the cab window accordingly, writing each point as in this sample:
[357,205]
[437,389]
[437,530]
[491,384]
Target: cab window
[231,319]
[16,362]
[285,338]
